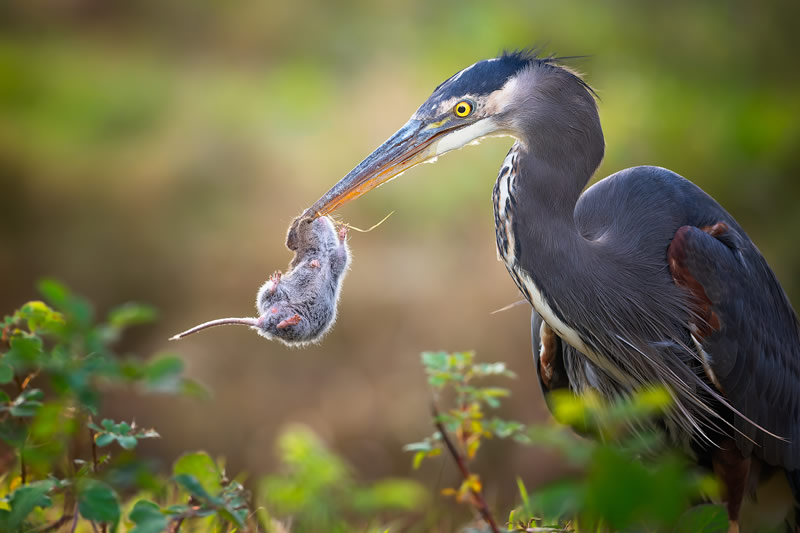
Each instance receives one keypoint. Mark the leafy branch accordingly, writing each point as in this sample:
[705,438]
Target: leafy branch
[456,373]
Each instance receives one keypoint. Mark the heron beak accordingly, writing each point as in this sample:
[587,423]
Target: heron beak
[414,143]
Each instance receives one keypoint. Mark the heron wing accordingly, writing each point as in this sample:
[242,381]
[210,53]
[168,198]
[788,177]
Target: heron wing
[748,334]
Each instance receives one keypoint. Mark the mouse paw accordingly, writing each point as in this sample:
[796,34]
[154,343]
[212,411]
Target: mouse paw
[342,233]
[275,278]
[291,321]
[314,263]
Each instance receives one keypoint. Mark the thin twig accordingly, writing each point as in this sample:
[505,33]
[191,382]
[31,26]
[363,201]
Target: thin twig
[75,518]
[22,469]
[94,448]
[54,525]
[176,524]
[479,501]
[30,377]
[103,526]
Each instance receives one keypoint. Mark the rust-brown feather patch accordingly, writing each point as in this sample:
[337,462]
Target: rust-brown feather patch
[706,320]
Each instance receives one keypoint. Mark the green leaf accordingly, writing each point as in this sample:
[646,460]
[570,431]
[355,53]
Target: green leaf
[423,446]
[23,501]
[495,392]
[163,373]
[30,395]
[653,400]
[54,291]
[131,314]
[560,499]
[434,361]
[390,494]
[148,518]
[125,434]
[191,388]
[13,433]
[52,423]
[195,488]
[622,492]
[235,516]
[505,428]
[703,519]
[40,316]
[523,493]
[128,442]
[493,369]
[25,351]
[418,458]
[6,373]
[202,467]
[74,307]
[98,502]
[104,440]
[27,403]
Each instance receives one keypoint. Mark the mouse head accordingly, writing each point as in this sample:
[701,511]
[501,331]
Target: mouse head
[306,234]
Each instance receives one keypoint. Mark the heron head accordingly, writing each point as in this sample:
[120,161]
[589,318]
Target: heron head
[502,96]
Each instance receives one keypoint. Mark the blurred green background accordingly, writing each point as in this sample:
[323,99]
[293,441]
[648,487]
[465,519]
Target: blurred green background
[157,151]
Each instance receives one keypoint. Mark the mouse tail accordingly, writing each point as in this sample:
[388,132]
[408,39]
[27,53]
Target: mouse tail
[248,321]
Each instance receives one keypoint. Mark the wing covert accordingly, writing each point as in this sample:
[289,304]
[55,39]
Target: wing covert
[748,335]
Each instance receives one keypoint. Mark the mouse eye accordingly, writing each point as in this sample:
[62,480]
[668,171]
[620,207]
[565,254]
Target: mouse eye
[463,108]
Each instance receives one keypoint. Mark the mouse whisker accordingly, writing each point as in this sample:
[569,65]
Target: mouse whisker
[348,226]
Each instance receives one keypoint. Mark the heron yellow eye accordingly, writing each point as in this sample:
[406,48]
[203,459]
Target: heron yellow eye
[463,108]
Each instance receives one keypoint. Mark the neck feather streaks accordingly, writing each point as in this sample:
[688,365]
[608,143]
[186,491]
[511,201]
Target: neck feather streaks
[598,294]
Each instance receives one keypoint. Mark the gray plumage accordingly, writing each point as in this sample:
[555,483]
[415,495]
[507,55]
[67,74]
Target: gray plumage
[641,279]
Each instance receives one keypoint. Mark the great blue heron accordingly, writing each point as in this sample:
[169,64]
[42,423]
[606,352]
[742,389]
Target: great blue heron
[641,279]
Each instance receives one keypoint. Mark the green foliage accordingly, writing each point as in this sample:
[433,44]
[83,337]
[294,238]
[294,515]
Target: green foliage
[123,433]
[147,517]
[57,364]
[631,479]
[318,489]
[703,519]
[97,501]
[456,372]
[22,502]
[60,349]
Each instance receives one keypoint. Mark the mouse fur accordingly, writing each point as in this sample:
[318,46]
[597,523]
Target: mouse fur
[299,307]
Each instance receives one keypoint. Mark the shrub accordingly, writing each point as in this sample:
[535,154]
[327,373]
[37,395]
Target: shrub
[631,479]
[71,470]
[68,470]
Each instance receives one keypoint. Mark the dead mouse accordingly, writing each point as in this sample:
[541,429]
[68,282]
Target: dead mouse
[299,306]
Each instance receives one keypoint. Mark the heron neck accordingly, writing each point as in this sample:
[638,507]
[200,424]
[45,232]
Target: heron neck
[549,194]
[552,247]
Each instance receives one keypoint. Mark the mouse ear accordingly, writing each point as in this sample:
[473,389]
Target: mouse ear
[292,241]
[293,235]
